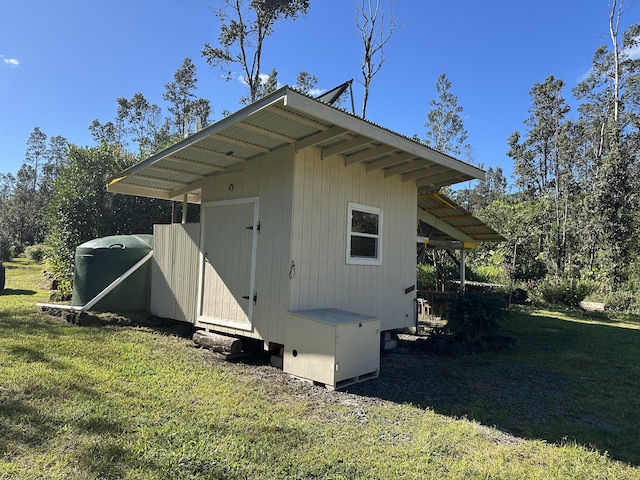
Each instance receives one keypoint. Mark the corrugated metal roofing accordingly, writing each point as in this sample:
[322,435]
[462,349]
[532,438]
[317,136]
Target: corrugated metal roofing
[449,222]
[289,117]
[283,118]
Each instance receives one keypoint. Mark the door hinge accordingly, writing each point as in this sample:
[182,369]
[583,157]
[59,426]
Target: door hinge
[257,227]
[255,297]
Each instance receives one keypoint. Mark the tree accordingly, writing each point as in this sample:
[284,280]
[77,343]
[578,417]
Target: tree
[543,166]
[189,113]
[268,84]
[609,114]
[244,26]
[81,209]
[537,159]
[36,154]
[445,127]
[375,27]
[6,187]
[519,222]
[305,82]
[27,194]
[143,121]
[486,191]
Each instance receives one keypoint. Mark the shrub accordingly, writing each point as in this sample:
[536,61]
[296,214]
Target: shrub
[475,315]
[623,301]
[35,252]
[15,250]
[426,275]
[565,292]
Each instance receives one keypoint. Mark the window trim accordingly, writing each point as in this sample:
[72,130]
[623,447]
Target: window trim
[377,260]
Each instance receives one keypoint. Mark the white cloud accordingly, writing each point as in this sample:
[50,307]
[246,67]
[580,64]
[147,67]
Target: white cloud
[314,92]
[633,52]
[263,78]
[12,62]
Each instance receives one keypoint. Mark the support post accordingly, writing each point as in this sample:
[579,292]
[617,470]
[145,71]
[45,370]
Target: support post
[462,270]
[185,204]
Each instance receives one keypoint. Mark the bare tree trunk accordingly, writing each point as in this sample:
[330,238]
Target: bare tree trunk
[374,33]
[614,23]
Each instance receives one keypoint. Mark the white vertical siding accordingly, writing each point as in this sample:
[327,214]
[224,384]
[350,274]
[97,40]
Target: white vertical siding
[322,191]
[270,178]
[174,279]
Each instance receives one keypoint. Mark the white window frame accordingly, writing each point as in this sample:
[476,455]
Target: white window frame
[351,260]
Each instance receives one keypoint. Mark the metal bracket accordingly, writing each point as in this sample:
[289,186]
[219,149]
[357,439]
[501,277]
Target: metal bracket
[255,297]
[257,227]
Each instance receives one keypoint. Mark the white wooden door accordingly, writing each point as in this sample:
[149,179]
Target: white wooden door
[228,244]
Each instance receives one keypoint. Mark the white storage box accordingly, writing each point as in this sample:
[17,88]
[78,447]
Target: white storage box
[332,347]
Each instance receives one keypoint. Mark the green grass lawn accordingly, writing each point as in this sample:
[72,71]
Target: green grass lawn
[113,402]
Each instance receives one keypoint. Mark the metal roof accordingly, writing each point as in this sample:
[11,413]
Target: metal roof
[450,223]
[283,118]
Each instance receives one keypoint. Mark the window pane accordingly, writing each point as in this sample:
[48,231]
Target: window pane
[364,222]
[364,247]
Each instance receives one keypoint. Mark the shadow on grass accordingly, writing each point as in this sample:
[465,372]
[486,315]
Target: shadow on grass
[9,291]
[24,424]
[14,321]
[564,381]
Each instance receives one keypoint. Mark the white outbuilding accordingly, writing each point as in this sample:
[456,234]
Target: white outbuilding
[307,233]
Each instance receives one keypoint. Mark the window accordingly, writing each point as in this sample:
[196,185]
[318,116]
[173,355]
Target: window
[364,235]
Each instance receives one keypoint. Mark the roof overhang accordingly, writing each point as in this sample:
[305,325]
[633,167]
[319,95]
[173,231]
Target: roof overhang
[287,117]
[445,225]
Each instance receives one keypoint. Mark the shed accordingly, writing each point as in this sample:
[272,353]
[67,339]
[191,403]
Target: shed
[304,208]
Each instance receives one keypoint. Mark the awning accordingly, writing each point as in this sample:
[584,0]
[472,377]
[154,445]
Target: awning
[444,224]
[287,117]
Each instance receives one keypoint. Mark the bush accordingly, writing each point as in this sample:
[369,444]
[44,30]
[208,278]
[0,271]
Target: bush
[475,315]
[35,252]
[623,301]
[426,276]
[565,292]
[15,250]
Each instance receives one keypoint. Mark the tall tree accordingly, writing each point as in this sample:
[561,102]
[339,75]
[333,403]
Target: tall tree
[375,26]
[492,188]
[244,27]
[143,121]
[36,154]
[110,133]
[609,114]
[445,127]
[188,112]
[537,159]
[543,167]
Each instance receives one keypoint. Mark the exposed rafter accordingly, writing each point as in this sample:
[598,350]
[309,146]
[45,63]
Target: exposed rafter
[161,180]
[299,119]
[422,173]
[435,180]
[389,161]
[264,132]
[368,154]
[217,153]
[158,168]
[240,143]
[186,161]
[444,226]
[345,146]
[319,137]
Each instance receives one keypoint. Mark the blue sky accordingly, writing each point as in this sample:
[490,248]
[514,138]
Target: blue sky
[63,64]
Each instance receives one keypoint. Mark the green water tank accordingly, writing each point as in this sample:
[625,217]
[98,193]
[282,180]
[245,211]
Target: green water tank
[101,261]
